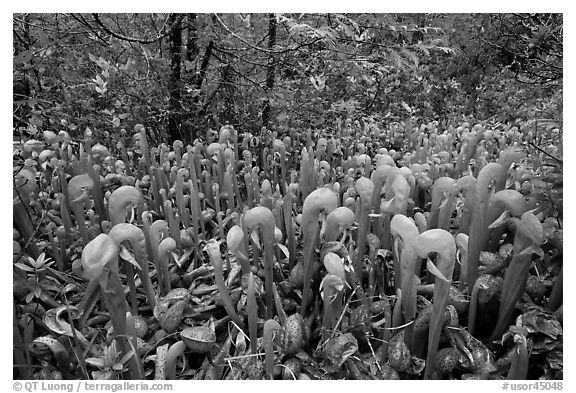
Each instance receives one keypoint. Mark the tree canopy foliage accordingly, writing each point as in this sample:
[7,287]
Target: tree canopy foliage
[185,73]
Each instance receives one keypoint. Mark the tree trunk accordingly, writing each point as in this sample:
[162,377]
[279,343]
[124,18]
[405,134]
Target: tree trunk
[192,41]
[174,85]
[270,70]
[204,65]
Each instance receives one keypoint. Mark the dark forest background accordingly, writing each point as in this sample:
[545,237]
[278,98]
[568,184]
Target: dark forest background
[184,74]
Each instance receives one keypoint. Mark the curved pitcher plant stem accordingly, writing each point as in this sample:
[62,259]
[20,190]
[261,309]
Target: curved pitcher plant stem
[365,188]
[77,189]
[479,225]
[252,310]
[270,327]
[520,359]
[441,186]
[503,205]
[165,247]
[405,233]
[317,201]
[529,237]
[156,230]
[260,215]
[442,243]
[100,263]
[467,185]
[135,236]
[175,350]
[118,201]
[173,224]
[213,250]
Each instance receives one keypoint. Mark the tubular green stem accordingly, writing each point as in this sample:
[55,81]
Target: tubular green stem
[270,326]
[318,200]
[77,189]
[365,188]
[186,216]
[100,262]
[97,192]
[208,193]
[304,170]
[192,165]
[283,171]
[178,145]
[467,185]
[155,189]
[446,211]
[126,159]
[473,309]
[155,232]
[213,250]
[266,199]
[520,360]
[479,225]
[263,216]
[420,221]
[383,350]
[252,310]
[219,213]
[173,224]
[510,201]
[146,223]
[442,243]
[278,302]
[237,199]
[389,192]
[462,245]
[196,211]
[175,350]
[132,287]
[221,164]
[256,251]
[512,289]
[255,185]
[62,180]
[166,246]
[288,221]
[144,151]
[249,189]
[397,311]
[80,221]
[400,190]
[441,186]
[506,159]
[20,351]
[54,247]
[332,308]
[179,191]
[264,160]
[228,189]
[405,231]
[61,235]
[198,160]
[135,236]
[235,241]
[529,236]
